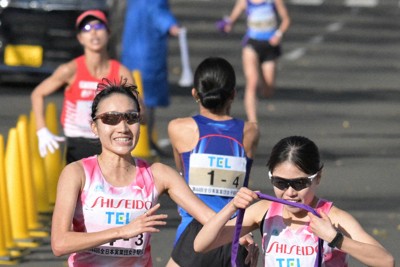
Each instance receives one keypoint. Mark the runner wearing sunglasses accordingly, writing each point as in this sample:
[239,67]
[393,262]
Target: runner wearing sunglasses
[290,234]
[79,77]
[106,205]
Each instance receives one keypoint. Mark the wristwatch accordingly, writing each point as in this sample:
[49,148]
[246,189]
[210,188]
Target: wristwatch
[337,240]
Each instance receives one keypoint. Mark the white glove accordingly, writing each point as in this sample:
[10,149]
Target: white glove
[47,140]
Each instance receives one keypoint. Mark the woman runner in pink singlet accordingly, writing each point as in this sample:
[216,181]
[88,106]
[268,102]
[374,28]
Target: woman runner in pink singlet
[106,205]
[290,234]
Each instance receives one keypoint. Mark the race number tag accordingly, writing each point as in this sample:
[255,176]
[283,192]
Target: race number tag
[218,175]
[262,19]
[133,247]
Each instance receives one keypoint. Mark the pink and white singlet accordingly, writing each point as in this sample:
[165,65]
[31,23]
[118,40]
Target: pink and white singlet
[284,247]
[102,206]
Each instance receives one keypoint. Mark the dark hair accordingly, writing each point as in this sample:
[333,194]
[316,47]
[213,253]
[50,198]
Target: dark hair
[298,150]
[107,88]
[215,82]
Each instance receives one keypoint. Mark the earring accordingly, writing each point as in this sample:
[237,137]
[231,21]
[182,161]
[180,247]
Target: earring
[197,100]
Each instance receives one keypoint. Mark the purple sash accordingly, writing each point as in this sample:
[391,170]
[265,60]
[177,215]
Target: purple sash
[239,220]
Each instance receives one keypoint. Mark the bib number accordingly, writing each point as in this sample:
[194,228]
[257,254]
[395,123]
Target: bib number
[216,175]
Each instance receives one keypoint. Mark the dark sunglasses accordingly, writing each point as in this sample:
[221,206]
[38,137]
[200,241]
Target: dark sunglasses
[96,26]
[113,118]
[297,183]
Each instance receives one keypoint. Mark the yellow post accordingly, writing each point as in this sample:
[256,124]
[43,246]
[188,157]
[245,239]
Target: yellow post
[30,194]
[52,161]
[6,240]
[16,194]
[142,149]
[29,189]
[38,170]
[3,250]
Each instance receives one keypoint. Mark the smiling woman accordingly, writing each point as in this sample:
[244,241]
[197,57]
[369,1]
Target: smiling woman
[91,191]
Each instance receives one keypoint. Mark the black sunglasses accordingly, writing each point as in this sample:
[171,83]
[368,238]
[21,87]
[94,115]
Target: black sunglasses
[297,183]
[113,118]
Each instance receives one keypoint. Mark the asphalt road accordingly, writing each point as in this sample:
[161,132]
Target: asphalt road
[338,84]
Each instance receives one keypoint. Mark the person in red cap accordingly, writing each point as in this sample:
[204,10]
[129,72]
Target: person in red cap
[79,77]
[91,13]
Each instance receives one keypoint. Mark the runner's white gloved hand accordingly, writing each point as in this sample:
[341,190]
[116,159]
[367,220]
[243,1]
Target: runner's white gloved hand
[47,140]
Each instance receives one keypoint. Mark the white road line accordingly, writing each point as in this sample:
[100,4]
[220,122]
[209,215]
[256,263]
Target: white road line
[316,39]
[307,2]
[295,54]
[361,3]
[334,27]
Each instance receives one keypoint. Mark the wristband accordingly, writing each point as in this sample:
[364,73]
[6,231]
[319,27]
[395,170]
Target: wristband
[337,240]
[278,33]
[222,23]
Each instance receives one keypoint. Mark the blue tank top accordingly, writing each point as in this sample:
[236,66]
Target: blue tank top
[261,20]
[217,167]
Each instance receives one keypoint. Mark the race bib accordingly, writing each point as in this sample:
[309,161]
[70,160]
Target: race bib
[262,20]
[218,175]
[133,247]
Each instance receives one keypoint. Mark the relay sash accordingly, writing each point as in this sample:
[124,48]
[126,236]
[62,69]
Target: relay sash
[239,220]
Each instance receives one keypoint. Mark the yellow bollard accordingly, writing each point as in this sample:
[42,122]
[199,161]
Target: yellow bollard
[16,194]
[3,250]
[30,194]
[52,161]
[6,241]
[38,170]
[29,190]
[142,149]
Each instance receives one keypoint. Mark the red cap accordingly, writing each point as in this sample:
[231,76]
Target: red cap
[92,13]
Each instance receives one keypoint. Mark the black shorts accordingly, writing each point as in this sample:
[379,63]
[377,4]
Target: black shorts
[264,50]
[185,256]
[79,148]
